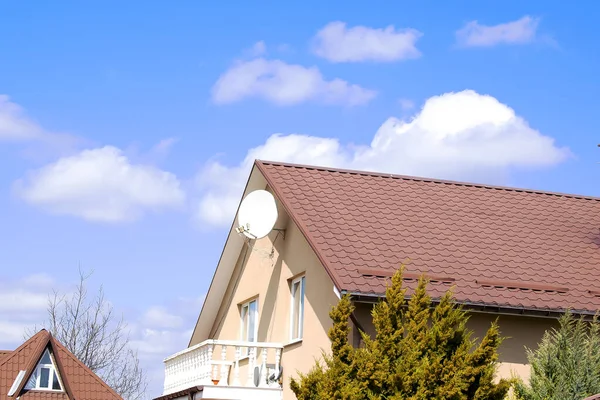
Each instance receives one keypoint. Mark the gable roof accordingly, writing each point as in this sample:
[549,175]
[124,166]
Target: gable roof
[503,248]
[79,382]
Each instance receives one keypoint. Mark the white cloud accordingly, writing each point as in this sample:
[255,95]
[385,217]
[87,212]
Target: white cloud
[100,185]
[159,152]
[464,135]
[337,43]
[154,340]
[406,104]
[284,48]
[164,146]
[12,334]
[14,123]
[41,280]
[153,346]
[521,31]
[22,300]
[285,84]
[23,304]
[222,185]
[17,126]
[258,49]
[160,317]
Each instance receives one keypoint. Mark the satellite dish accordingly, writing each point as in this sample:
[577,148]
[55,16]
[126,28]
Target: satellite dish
[257,371]
[257,214]
[276,374]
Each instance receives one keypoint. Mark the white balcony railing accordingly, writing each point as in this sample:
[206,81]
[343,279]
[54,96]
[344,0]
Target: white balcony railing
[217,362]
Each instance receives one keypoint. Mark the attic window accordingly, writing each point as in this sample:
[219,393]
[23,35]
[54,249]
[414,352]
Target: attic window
[45,375]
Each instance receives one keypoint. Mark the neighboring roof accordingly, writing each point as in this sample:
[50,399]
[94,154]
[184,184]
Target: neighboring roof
[500,247]
[79,382]
[594,397]
[189,392]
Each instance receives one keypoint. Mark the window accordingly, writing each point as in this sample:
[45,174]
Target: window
[297,317]
[249,317]
[45,376]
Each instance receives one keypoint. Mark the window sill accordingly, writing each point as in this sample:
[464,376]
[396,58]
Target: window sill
[292,342]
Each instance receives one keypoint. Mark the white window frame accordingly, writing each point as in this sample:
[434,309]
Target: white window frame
[246,306]
[298,283]
[51,374]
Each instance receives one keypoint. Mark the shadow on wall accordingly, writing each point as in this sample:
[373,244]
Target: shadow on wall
[270,304]
[519,332]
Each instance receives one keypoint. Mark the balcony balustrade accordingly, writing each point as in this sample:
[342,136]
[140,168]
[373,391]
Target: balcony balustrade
[224,363]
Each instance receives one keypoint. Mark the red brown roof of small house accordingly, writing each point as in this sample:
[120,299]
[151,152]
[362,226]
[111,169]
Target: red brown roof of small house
[79,382]
[499,247]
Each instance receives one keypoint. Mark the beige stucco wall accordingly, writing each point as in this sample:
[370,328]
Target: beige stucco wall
[264,271]
[519,331]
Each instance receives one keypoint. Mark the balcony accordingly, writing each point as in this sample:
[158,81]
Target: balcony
[226,369]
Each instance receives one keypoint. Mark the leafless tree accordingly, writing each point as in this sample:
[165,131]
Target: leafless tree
[90,330]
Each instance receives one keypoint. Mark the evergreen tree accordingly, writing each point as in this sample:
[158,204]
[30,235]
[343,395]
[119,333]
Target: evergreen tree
[566,365]
[419,352]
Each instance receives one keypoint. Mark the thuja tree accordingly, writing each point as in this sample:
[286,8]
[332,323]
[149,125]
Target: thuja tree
[420,351]
[566,364]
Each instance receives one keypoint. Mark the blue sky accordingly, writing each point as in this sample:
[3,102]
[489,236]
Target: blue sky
[124,127]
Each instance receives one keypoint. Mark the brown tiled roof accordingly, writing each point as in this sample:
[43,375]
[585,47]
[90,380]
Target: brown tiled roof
[594,397]
[4,353]
[79,382]
[499,247]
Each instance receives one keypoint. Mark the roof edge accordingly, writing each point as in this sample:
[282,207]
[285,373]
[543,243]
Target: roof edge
[60,366]
[210,291]
[489,308]
[33,360]
[58,345]
[303,229]
[15,351]
[430,180]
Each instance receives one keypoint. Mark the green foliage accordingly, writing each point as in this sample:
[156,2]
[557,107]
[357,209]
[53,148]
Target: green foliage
[419,352]
[566,364]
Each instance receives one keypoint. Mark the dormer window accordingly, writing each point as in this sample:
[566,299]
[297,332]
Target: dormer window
[45,375]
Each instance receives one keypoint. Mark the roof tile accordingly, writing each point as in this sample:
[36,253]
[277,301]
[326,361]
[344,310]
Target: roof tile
[357,220]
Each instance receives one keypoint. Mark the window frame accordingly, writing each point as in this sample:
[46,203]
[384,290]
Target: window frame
[300,284]
[52,373]
[244,336]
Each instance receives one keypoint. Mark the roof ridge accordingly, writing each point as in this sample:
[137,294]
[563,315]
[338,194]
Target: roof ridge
[428,180]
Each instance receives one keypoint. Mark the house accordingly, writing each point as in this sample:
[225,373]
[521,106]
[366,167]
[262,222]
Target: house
[519,255]
[43,369]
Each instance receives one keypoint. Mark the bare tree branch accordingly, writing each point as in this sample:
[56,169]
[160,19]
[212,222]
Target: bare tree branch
[89,329]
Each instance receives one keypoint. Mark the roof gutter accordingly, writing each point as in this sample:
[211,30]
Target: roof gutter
[484,308]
